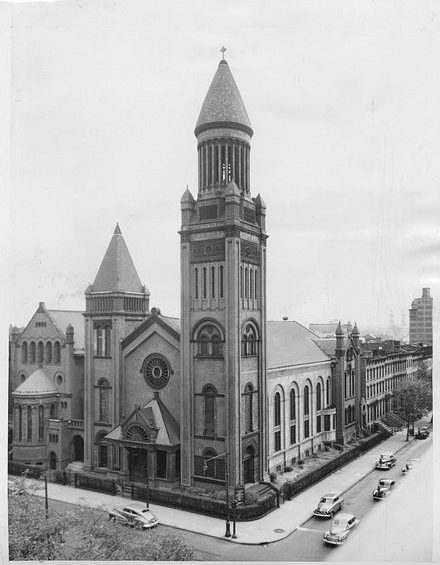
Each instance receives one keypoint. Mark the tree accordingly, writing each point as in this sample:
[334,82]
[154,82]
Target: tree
[411,399]
[80,534]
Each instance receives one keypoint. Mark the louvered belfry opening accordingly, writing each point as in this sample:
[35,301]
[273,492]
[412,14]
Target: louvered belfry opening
[221,161]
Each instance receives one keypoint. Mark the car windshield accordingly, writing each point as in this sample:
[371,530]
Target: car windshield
[325,500]
[339,523]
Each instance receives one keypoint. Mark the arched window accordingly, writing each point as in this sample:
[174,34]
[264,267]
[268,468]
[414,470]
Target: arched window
[209,342]
[99,341]
[241,282]
[249,341]
[53,411]
[20,424]
[248,407]
[256,284]
[327,399]
[306,401]
[292,405]
[107,341]
[24,352]
[32,352]
[57,352]
[246,283]
[210,393]
[22,378]
[41,423]
[204,282]
[277,409]
[104,400]
[102,450]
[251,283]
[221,281]
[318,397]
[29,424]
[49,352]
[40,352]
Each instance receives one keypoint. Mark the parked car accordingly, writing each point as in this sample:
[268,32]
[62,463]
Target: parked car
[385,461]
[383,489]
[328,505]
[141,518]
[340,529]
[422,433]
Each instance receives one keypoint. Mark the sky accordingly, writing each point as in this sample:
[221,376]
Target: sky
[343,100]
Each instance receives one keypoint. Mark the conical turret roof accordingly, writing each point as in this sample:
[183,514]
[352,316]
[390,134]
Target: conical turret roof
[117,272]
[223,105]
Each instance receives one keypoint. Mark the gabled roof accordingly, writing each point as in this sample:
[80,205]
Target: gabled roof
[36,384]
[170,324]
[157,417]
[62,318]
[290,343]
[223,104]
[117,272]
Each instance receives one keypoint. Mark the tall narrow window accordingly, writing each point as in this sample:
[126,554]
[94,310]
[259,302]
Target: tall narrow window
[32,352]
[104,400]
[277,409]
[246,283]
[107,341]
[98,341]
[41,423]
[29,424]
[53,411]
[204,282]
[328,393]
[196,283]
[292,405]
[256,284]
[248,407]
[241,282]
[57,352]
[210,393]
[318,397]
[49,352]
[40,352]
[306,400]
[20,424]
[251,283]
[212,282]
[292,434]
[102,451]
[221,280]
[24,352]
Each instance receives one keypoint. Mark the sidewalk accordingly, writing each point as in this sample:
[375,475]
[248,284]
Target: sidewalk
[273,527]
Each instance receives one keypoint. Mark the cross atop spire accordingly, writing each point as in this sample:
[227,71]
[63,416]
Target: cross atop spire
[223,49]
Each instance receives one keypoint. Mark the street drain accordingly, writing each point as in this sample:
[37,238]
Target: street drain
[279,531]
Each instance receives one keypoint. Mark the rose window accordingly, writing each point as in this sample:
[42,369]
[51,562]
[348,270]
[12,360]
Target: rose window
[156,372]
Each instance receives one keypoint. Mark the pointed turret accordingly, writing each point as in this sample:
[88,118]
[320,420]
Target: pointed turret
[223,106]
[339,341]
[117,272]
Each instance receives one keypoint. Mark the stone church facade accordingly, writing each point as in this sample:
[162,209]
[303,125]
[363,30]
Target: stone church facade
[219,394]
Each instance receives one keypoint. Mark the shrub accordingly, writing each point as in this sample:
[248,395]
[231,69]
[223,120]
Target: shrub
[287,469]
[272,477]
[300,461]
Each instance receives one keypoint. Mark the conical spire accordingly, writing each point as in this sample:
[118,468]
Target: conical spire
[339,332]
[117,272]
[355,331]
[223,106]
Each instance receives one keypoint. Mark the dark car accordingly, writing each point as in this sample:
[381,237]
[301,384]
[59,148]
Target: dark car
[422,433]
[385,461]
[328,505]
[340,529]
[383,489]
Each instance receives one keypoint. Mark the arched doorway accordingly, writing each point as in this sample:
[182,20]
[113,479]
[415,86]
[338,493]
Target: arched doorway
[78,448]
[249,465]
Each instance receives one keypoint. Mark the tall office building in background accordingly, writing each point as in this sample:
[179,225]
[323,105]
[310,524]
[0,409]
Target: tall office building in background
[420,319]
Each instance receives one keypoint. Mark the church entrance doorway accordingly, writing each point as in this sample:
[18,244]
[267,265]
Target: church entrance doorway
[137,465]
[78,448]
[249,465]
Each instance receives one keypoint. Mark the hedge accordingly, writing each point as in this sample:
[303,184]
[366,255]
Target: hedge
[289,490]
[94,482]
[17,468]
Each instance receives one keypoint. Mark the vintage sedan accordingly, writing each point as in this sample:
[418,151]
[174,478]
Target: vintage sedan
[340,529]
[385,461]
[422,433]
[383,489]
[328,505]
[140,518]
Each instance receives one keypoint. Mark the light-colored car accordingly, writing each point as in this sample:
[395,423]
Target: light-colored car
[385,461]
[328,505]
[141,518]
[340,529]
[383,489]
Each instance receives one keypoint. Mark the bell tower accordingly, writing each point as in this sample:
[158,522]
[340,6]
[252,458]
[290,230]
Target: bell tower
[223,301]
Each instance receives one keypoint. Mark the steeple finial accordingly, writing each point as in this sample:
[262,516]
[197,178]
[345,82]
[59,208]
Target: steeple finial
[117,229]
[223,49]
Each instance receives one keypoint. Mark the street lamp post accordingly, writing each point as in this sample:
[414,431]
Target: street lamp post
[205,468]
